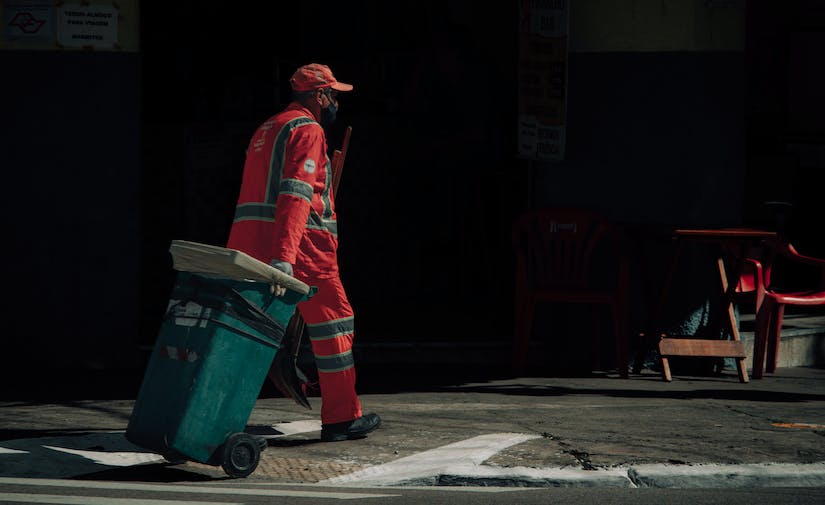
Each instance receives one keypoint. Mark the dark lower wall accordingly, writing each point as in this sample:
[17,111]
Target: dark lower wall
[652,138]
[430,178]
[70,195]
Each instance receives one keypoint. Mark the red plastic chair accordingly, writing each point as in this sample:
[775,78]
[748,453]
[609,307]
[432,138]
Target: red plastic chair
[556,251]
[770,314]
[751,284]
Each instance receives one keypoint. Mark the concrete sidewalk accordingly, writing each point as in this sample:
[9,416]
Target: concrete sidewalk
[531,431]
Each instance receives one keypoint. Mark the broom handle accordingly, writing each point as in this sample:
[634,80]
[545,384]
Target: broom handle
[338,161]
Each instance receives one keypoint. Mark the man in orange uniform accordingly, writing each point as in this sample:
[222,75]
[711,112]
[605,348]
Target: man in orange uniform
[285,217]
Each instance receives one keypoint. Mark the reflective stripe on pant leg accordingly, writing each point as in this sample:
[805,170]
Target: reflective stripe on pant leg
[330,323]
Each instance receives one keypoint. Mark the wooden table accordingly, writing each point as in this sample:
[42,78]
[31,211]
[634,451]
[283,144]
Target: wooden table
[737,241]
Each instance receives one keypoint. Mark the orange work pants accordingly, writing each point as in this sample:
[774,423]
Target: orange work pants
[330,323]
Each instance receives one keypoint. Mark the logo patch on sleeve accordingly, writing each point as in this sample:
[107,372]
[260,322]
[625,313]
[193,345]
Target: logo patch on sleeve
[309,165]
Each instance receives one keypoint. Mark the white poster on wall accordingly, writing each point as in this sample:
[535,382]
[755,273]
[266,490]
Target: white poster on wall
[542,79]
[87,25]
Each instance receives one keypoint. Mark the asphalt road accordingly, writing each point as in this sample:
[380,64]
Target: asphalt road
[135,493]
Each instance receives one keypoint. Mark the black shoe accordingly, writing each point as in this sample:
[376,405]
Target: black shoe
[350,430]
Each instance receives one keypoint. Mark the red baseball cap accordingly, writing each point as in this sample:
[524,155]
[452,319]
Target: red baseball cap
[314,76]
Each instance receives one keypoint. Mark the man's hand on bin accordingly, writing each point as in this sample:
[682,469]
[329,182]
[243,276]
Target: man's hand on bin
[284,267]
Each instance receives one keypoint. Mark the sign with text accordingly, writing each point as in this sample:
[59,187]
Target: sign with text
[542,79]
[87,25]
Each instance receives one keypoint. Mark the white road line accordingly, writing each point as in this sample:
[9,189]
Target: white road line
[92,484]
[3,450]
[423,468]
[95,500]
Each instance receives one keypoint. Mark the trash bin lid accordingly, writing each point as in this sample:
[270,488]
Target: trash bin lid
[230,263]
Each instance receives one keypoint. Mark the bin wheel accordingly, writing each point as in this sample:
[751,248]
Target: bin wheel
[241,453]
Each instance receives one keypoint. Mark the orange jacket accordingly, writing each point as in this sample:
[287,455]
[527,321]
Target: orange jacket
[285,209]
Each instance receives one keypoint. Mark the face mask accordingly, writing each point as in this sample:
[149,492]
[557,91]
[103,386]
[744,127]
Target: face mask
[328,114]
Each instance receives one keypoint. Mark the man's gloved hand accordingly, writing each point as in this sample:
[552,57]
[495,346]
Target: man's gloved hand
[283,266]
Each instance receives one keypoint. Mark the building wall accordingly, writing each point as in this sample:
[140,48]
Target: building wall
[655,113]
[71,166]
[71,162]
[109,154]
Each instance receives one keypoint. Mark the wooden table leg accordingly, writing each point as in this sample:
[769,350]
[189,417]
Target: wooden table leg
[680,346]
[728,291]
[666,369]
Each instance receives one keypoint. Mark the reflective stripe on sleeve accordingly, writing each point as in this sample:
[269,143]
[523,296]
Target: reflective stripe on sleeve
[296,187]
[276,159]
[255,211]
[266,212]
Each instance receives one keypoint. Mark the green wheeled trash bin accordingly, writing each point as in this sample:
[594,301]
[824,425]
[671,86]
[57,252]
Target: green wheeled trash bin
[223,326]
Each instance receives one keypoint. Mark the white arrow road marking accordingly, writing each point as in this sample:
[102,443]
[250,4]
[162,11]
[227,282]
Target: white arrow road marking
[113,458]
[425,467]
[70,455]
[173,488]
